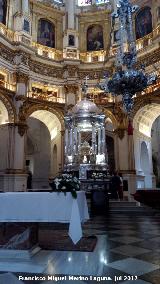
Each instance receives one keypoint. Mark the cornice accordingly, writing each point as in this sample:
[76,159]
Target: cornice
[49,69]
[49,9]
[94,13]
[149,58]
[45,69]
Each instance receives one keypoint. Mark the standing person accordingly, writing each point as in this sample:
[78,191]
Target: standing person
[120,192]
[29,180]
[115,185]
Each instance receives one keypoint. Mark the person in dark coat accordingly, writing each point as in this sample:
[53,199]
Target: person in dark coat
[29,180]
[115,185]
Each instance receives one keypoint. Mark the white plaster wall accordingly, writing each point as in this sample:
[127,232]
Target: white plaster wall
[41,158]
[143,160]
[122,145]
[56,165]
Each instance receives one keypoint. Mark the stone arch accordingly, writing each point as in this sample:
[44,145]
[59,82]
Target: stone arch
[144,100]
[9,107]
[111,116]
[28,109]
[146,109]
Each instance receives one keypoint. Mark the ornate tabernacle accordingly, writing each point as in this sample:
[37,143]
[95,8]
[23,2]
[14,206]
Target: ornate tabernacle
[85,142]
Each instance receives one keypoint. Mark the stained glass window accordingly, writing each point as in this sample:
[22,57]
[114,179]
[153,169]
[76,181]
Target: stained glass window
[101,1]
[84,2]
[58,1]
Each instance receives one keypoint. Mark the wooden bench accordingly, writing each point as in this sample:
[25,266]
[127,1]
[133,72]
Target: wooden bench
[150,197]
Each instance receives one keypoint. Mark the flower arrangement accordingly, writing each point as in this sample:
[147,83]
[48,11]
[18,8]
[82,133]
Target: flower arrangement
[66,183]
[97,175]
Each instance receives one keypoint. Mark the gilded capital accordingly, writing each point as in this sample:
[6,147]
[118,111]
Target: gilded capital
[71,89]
[22,78]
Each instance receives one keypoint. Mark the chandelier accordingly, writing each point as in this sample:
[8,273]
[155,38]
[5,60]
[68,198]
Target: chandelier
[127,80]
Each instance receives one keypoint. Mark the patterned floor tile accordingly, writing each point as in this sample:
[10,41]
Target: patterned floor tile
[133,266]
[124,232]
[126,239]
[138,281]
[153,257]
[130,250]
[9,278]
[148,244]
[153,277]
[156,239]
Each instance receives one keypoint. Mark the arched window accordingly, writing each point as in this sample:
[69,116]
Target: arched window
[101,1]
[46,33]
[3,9]
[95,38]
[84,2]
[143,23]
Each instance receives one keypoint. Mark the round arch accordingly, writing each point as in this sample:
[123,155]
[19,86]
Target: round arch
[7,109]
[111,116]
[145,112]
[27,111]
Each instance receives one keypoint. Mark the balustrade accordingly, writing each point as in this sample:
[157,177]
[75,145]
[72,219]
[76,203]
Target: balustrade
[90,57]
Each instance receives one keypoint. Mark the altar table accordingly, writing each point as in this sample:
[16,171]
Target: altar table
[45,207]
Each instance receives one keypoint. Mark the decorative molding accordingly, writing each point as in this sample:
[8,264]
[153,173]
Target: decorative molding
[144,100]
[95,74]
[71,70]
[22,128]
[6,53]
[30,106]
[22,78]
[71,89]
[151,58]
[120,132]
[9,106]
[46,70]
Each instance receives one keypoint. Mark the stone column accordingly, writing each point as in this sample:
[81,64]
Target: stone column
[115,3]
[14,177]
[22,23]
[71,13]
[22,84]
[25,6]
[70,40]
[62,148]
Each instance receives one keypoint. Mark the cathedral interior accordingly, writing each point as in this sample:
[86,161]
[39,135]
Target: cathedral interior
[50,50]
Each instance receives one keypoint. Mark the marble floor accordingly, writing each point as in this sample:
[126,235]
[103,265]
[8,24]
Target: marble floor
[127,251]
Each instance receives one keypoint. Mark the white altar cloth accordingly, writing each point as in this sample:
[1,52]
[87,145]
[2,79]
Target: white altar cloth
[45,207]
